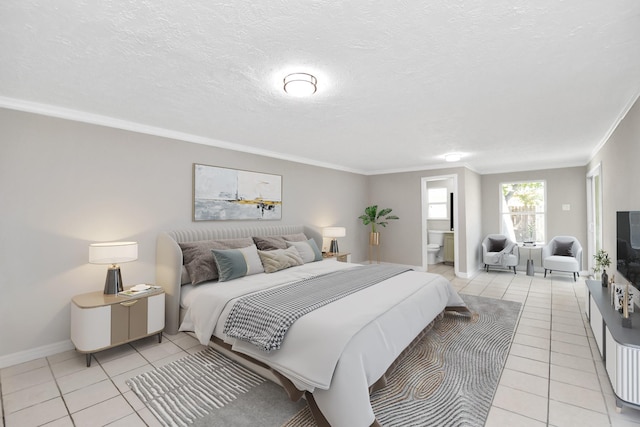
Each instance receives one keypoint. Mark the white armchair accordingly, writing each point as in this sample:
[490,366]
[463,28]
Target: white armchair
[562,253]
[500,251]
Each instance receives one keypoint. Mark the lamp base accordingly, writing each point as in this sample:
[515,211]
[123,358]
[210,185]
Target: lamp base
[113,283]
[334,246]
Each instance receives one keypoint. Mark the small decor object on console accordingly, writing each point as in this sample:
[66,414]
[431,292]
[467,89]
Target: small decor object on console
[623,297]
[612,290]
[626,319]
[602,262]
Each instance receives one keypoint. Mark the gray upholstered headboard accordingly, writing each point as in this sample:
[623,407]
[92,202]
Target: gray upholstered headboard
[169,257]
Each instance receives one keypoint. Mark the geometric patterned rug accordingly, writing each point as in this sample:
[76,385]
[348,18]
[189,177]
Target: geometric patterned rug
[450,377]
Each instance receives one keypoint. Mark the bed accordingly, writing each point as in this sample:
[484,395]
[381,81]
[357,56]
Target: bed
[334,355]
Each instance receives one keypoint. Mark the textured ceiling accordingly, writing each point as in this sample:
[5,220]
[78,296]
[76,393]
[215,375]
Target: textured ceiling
[512,85]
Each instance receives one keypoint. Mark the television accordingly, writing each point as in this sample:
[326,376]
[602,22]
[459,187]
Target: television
[628,246]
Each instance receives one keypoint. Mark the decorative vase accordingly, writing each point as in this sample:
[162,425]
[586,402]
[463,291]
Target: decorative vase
[605,278]
[374,238]
[626,319]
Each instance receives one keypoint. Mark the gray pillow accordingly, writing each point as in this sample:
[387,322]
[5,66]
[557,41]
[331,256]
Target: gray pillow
[279,259]
[308,250]
[235,263]
[198,258]
[496,244]
[269,243]
[297,237]
[563,248]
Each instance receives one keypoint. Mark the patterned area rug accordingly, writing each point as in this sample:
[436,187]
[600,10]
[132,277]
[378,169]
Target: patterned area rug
[209,389]
[450,377]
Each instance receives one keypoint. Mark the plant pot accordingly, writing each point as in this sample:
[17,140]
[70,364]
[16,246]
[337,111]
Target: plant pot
[374,238]
[605,278]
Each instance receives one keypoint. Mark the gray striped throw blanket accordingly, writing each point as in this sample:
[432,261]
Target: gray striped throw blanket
[264,317]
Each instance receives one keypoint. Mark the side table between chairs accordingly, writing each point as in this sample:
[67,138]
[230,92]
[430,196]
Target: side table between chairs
[529,246]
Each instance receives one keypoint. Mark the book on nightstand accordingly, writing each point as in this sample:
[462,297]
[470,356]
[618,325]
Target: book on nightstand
[137,290]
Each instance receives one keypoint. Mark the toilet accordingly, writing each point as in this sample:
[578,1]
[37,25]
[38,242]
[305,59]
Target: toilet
[435,240]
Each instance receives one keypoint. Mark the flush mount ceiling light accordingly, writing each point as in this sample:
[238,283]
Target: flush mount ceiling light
[452,157]
[300,84]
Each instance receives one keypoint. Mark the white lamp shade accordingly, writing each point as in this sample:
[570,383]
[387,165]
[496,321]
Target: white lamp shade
[334,232]
[113,252]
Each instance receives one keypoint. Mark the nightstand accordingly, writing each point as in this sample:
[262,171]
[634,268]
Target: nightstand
[100,321]
[338,256]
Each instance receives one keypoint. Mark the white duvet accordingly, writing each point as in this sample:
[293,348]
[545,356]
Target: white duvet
[339,350]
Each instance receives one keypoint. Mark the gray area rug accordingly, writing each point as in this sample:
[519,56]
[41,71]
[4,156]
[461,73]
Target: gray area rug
[448,379]
[209,389]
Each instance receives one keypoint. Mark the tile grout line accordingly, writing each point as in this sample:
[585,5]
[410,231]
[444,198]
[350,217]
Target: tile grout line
[550,351]
[64,402]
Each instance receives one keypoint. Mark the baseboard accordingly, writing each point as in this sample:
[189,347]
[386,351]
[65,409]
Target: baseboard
[35,353]
[463,275]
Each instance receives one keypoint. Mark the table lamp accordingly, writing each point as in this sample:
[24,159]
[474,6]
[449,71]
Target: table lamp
[333,233]
[113,253]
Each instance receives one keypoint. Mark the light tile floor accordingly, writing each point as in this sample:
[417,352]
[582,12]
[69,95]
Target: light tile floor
[553,375]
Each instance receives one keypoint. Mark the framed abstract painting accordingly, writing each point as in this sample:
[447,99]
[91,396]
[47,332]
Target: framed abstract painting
[233,194]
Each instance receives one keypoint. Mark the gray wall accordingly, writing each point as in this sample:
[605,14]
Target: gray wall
[620,160]
[66,184]
[401,241]
[564,186]
[473,203]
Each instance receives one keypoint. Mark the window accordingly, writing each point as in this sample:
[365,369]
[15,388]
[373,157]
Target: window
[437,199]
[523,211]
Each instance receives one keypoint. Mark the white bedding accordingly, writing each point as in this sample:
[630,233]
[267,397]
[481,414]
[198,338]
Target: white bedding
[338,350]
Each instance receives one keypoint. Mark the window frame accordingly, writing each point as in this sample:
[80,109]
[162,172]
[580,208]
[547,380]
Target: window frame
[445,204]
[502,213]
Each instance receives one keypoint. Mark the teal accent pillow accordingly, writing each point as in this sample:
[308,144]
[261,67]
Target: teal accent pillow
[198,258]
[235,263]
[308,250]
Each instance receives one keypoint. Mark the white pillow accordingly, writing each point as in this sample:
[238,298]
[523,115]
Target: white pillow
[308,250]
[279,259]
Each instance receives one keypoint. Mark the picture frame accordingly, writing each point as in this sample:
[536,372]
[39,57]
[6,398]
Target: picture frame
[233,194]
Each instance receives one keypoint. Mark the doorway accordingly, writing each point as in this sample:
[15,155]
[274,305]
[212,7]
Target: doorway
[594,214]
[446,223]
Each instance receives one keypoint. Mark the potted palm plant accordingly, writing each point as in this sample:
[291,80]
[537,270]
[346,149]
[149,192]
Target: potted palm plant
[602,262]
[374,217]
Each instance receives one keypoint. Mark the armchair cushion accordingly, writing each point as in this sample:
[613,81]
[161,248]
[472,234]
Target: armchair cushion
[563,248]
[496,244]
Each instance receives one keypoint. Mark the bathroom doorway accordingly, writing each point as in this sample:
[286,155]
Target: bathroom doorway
[440,215]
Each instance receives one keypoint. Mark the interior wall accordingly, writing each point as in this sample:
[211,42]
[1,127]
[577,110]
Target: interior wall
[619,158]
[65,184]
[563,186]
[401,240]
[474,202]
